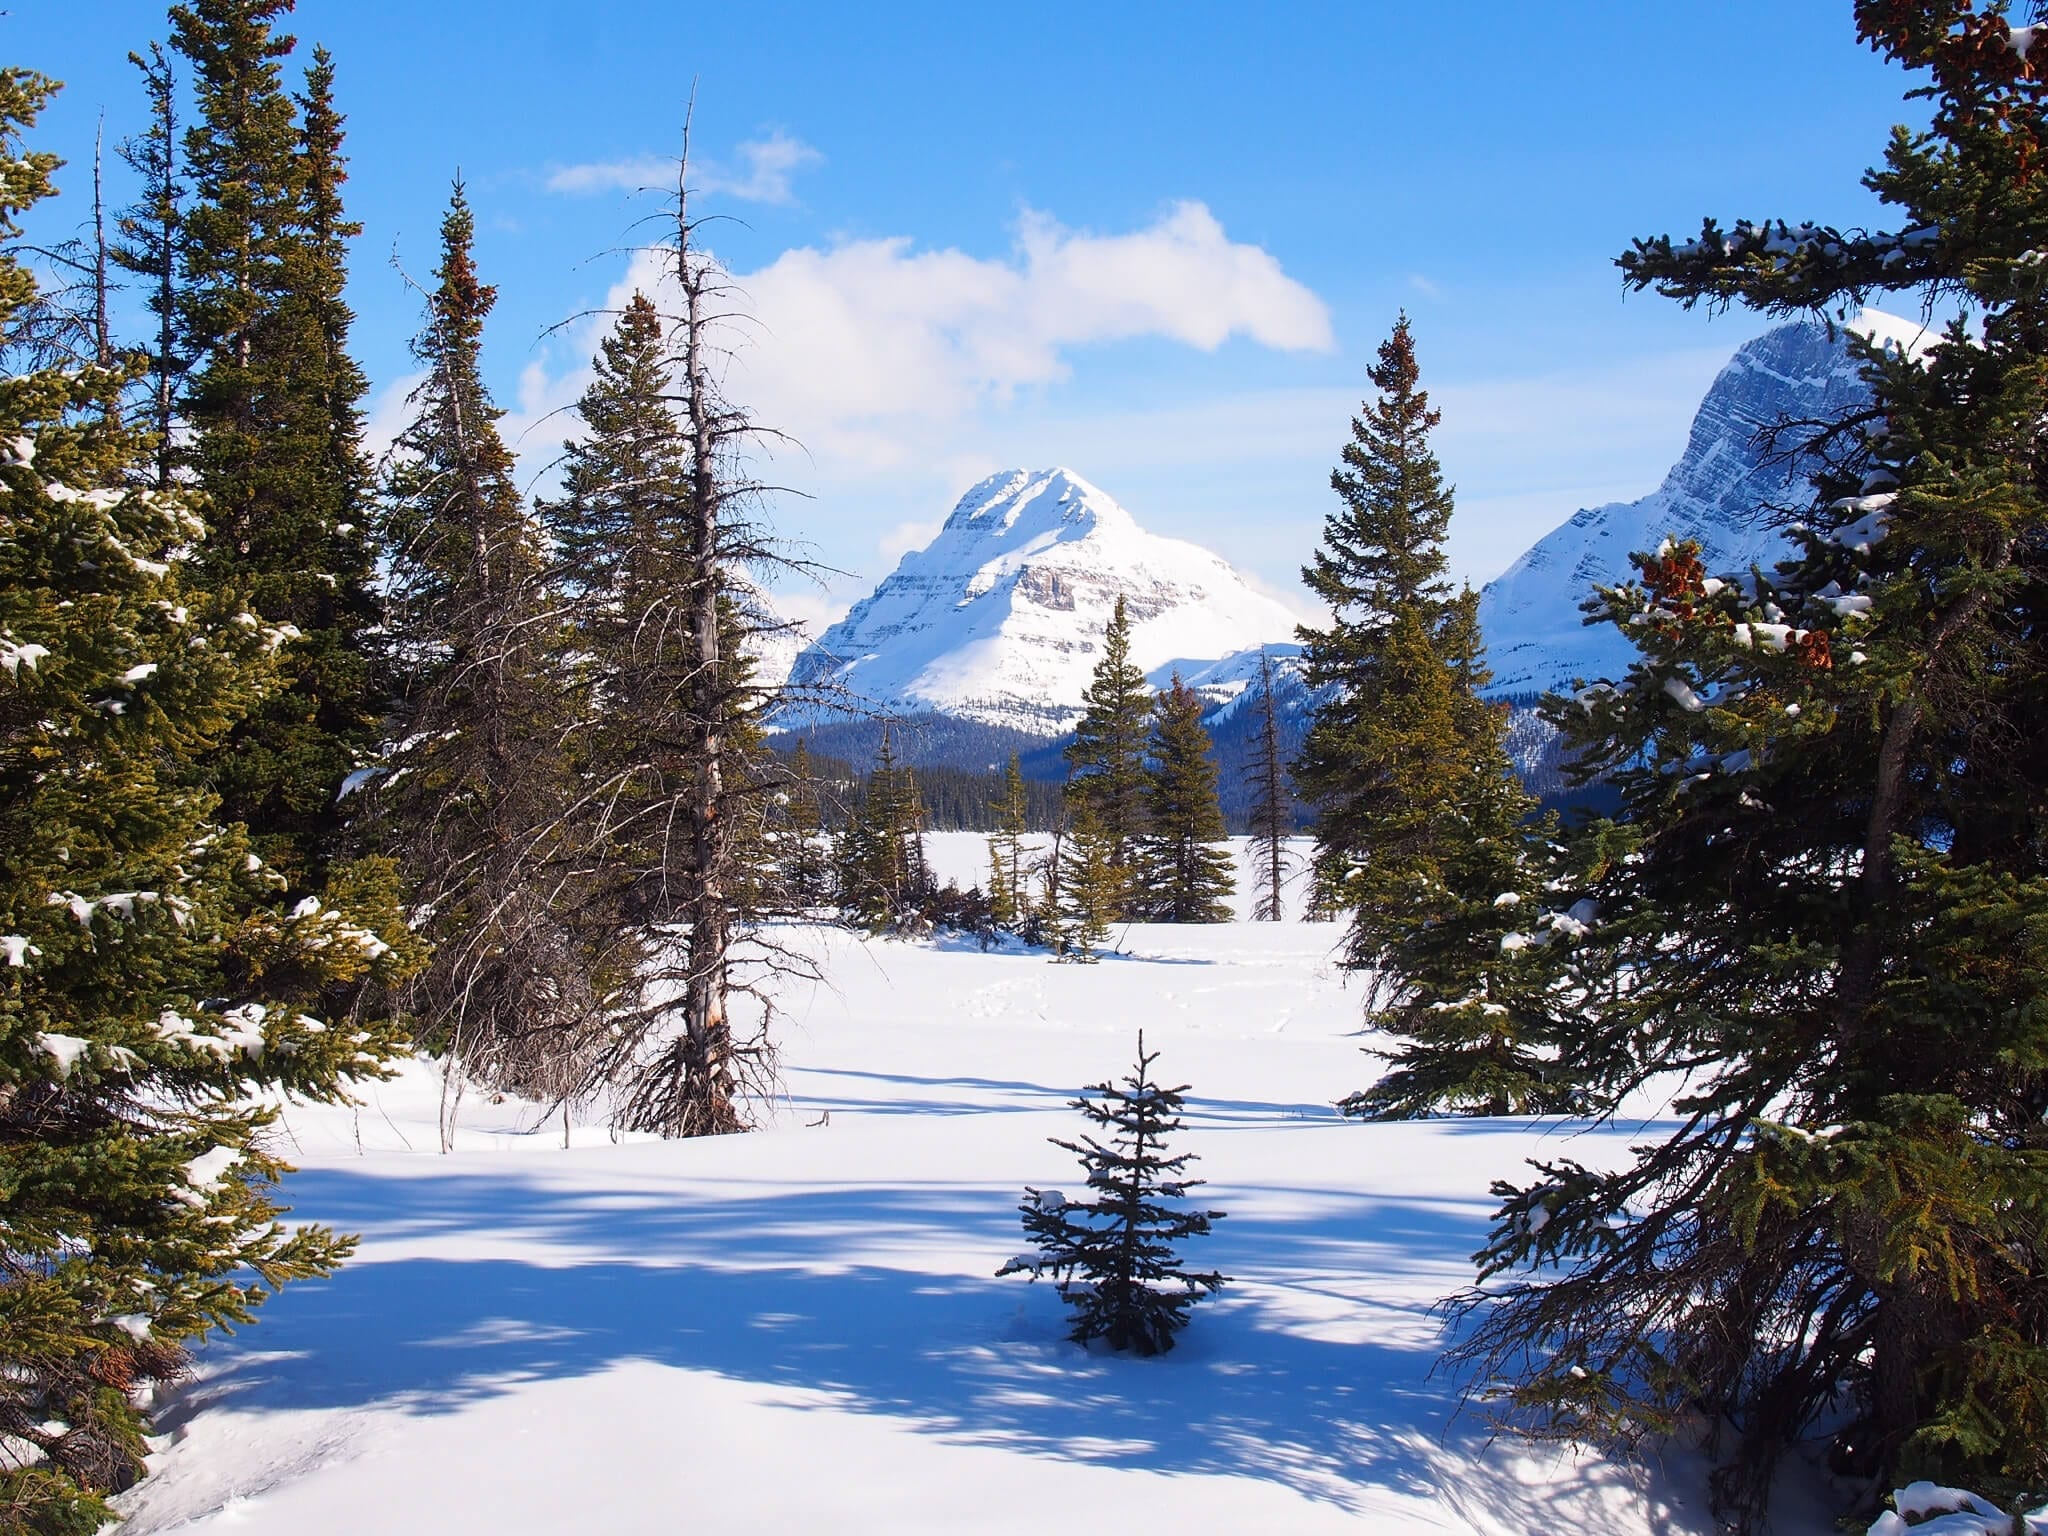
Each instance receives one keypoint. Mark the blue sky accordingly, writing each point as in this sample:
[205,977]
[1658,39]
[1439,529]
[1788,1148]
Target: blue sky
[1159,244]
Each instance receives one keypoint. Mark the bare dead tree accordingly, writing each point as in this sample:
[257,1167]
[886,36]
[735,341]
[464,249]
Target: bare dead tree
[147,246]
[1272,811]
[659,548]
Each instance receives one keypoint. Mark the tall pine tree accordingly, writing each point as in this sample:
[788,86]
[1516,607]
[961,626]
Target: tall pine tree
[699,1082]
[626,534]
[149,985]
[1397,739]
[1009,875]
[272,408]
[1183,865]
[1835,911]
[473,791]
[1420,820]
[1107,755]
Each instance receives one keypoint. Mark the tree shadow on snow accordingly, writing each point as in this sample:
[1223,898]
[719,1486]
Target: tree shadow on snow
[749,1289]
[994,1095]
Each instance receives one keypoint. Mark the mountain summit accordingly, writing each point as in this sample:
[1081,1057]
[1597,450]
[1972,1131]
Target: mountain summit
[1719,492]
[1000,618]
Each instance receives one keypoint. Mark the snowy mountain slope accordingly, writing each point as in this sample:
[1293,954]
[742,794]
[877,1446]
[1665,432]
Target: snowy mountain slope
[1000,618]
[775,641]
[1716,493]
[801,1330]
[1227,682]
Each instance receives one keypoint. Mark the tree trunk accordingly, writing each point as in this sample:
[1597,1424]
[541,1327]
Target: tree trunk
[708,1105]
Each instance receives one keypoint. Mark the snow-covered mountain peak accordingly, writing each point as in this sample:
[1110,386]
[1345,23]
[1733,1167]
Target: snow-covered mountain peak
[1020,505]
[1000,617]
[1911,337]
[1724,491]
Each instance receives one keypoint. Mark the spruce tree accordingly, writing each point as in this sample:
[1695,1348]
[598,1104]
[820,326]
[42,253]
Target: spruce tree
[882,876]
[1009,881]
[1183,865]
[151,993]
[316,270]
[272,405]
[473,789]
[1084,892]
[1423,832]
[1272,813]
[1835,911]
[1107,754]
[1112,1255]
[616,576]
[1398,739]
[696,1076]
[800,854]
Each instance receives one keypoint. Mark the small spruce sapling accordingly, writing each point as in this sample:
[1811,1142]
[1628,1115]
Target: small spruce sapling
[1112,1255]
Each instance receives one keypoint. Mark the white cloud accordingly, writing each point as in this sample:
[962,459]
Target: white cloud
[867,350]
[390,413]
[634,174]
[908,373]
[815,608]
[760,174]
[904,537]
[767,165]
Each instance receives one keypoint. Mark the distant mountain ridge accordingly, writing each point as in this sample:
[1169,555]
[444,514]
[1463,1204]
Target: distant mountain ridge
[981,643]
[1717,493]
[1000,618]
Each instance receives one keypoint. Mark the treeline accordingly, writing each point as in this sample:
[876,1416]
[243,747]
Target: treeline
[1137,831]
[951,799]
[938,746]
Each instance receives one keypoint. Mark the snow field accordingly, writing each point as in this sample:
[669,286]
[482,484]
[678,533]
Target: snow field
[801,1328]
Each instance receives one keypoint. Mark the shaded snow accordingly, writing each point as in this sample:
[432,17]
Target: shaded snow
[802,1329]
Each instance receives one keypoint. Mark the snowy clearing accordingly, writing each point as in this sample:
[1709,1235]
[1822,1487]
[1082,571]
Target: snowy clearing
[801,1328]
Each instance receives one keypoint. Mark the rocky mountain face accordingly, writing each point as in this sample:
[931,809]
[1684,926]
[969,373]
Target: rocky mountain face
[1000,618]
[1720,492]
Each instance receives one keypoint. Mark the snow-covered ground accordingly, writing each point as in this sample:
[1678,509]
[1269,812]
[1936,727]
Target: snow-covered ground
[801,1329]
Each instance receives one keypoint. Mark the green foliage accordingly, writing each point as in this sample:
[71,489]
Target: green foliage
[1183,867]
[1423,832]
[151,989]
[1107,755]
[683,825]
[1398,736]
[880,855]
[272,403]
[1112,1254]
[1085,891]
[1831,903]
[146,246]
[1009,882]
[798,848]
[472,793]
